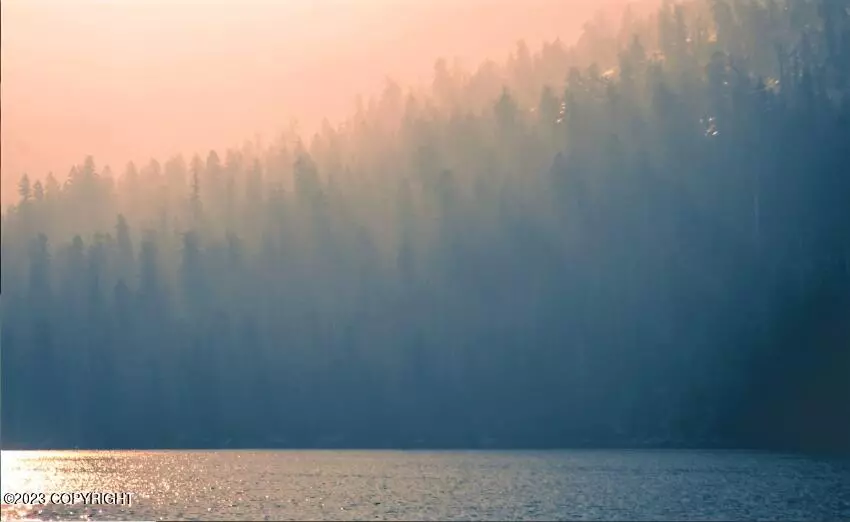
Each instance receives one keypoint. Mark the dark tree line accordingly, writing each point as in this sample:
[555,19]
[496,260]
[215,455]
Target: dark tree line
[639,240]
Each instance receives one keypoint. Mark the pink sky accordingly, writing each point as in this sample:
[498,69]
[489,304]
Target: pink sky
[134,79]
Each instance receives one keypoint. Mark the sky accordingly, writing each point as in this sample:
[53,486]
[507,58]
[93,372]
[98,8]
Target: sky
[134,79]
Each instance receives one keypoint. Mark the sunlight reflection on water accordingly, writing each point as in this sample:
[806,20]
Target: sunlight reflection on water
[422,485]
[60,472]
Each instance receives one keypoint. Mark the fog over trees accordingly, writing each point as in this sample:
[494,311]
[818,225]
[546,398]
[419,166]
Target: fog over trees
[641,239]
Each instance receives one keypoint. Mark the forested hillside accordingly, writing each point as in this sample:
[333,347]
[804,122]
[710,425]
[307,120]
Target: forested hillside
[641,239]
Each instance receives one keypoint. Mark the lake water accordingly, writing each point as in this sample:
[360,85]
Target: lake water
[412,485]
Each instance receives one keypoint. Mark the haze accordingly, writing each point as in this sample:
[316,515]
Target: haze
[137,79]
[636,240]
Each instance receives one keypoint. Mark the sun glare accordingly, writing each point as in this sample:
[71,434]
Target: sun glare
[17,470]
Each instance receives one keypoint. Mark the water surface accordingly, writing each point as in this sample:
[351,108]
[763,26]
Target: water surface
[411,485]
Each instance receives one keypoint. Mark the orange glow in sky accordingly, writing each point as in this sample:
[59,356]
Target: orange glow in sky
[134,79]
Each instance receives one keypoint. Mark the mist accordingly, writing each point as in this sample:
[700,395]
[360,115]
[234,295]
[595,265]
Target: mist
[635,238]
[135,80]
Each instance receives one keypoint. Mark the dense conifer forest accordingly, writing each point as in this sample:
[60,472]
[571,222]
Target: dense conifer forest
[641,239]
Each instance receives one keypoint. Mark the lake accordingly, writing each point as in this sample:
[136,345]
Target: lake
[424,485]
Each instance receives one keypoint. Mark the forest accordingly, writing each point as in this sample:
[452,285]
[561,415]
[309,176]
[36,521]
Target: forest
[641,239]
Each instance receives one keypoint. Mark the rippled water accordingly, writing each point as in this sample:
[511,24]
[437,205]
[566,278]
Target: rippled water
[384,485]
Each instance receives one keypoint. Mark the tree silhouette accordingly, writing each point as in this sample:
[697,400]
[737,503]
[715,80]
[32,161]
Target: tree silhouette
[640,239]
